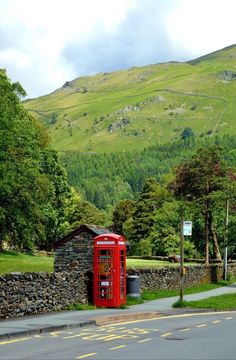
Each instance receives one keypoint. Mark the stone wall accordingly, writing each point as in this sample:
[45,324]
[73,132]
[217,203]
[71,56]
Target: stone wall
[76,254]
[33,293]
[168,277]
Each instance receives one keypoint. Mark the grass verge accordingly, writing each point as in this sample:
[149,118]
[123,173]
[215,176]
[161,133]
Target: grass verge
[148,295]
[221,302]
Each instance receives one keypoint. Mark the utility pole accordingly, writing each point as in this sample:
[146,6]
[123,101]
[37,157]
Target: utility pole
[181,293]
[226,239]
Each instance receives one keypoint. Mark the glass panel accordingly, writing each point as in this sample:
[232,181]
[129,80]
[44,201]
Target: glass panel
[122,274]
[105,280]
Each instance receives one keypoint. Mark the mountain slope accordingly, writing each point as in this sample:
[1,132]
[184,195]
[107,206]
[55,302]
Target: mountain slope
[139,107]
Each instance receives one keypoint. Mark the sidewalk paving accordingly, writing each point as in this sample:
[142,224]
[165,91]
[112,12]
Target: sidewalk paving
[36,324]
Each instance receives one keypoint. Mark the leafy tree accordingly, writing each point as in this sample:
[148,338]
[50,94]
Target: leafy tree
[33,184]
[78,211]
[165,234]
[123,211]
[199,180]
[150,200]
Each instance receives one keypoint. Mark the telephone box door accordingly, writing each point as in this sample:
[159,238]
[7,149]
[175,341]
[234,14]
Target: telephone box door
[104,273]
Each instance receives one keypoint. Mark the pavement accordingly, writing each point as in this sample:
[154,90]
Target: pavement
[55,321]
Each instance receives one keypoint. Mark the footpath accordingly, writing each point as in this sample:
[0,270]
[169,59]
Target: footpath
[55,321]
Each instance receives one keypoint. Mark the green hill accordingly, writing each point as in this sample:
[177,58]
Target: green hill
[140,107]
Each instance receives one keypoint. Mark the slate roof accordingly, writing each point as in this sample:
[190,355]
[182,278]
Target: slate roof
[92,229]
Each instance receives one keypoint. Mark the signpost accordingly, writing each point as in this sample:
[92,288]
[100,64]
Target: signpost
[186,230]
[226,239]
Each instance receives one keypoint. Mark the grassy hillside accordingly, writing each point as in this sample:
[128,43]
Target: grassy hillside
[140,107]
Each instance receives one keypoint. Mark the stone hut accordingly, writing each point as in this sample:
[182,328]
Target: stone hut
[74,252]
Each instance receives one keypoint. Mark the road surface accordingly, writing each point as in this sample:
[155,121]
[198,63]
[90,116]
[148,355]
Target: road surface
[186,336]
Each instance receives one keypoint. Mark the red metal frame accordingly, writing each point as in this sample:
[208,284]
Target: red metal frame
[109,284]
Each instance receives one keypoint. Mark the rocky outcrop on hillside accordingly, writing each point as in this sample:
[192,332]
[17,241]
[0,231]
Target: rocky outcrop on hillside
[123,122]
[227,75]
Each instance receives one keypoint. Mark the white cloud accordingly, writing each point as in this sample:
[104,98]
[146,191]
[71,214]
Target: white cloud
[203,26]
[44,43]
[20,59]
[40,30]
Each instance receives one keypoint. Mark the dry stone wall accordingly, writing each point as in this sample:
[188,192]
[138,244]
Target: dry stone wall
[167,278]
[34,293]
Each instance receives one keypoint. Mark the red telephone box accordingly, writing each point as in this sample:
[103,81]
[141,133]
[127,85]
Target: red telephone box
[109,284]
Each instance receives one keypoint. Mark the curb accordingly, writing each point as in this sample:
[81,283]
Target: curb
[105,320]
[99,321]
[45,329]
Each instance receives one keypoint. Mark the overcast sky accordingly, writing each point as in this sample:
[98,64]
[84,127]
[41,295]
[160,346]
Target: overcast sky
[44,43]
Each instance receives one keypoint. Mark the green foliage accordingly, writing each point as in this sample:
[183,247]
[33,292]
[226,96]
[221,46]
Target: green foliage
[122,212]
[77,211]
[203,181]
[187,133]
[105,179]
[165,232]
[150,200]
[145,247]
[33,184]
[180,304]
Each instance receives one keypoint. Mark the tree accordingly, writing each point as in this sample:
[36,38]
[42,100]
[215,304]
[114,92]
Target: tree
[150,200]
[32,182]
[123,211]
[78,211]
[198,181]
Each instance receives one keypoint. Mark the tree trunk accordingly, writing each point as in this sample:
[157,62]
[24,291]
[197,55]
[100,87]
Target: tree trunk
[206,235]
[216,249]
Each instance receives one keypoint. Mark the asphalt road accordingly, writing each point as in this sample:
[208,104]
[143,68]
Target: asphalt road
[187,336]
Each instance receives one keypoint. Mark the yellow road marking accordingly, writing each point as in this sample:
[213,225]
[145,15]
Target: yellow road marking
[115,337]
[166,334]
[13,341]
[229,318]
[115,329]
[91,336]
[186,329]
[216,321]
[57,333]
[136,331]
[106,337]
[117,347]
[85,355]
[145,340]
[201,325]
[76,335]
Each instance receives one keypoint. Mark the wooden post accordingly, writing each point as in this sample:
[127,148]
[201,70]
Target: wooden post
[181,293]
[226,239]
